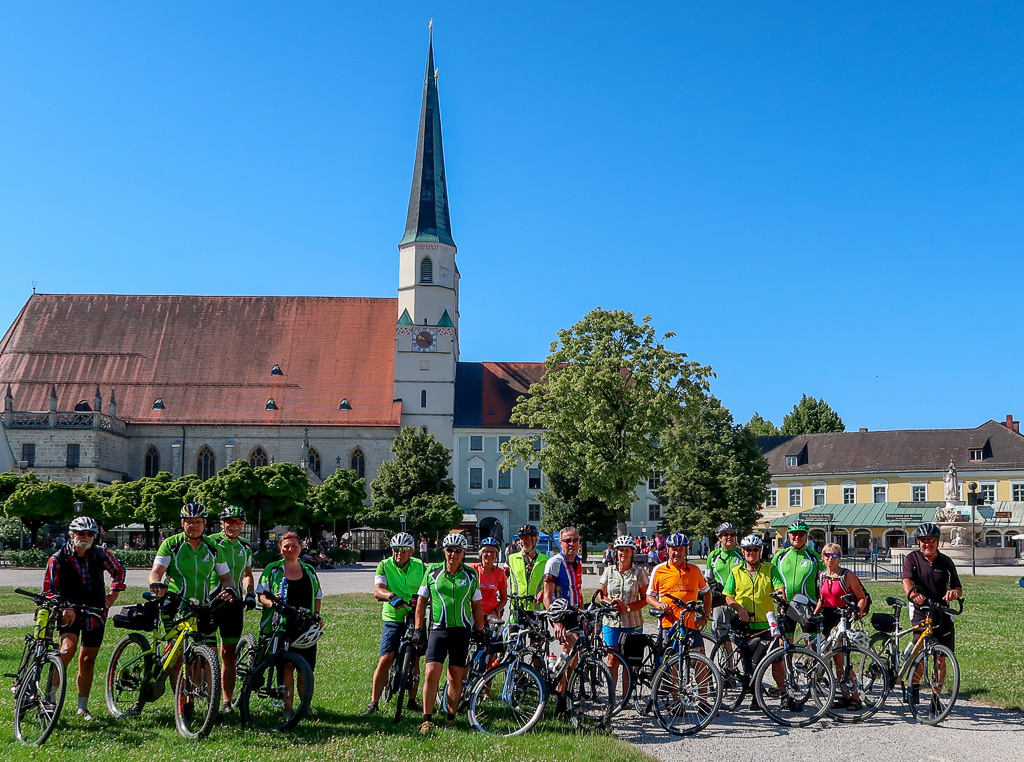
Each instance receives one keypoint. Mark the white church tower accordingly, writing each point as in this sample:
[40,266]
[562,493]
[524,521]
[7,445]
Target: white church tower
[427,332]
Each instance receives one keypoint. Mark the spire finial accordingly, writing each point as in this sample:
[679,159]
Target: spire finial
[430,26]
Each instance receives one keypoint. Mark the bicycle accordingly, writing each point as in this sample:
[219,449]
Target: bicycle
[41,680]
[927,664]
[862,677]
[402,675]
[268,677]
[140,666]
[481,658]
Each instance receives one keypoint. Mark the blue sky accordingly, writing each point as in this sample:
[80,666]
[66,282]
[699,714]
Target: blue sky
[816,197]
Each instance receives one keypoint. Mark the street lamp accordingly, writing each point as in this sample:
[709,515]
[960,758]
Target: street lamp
[402,517]
[78,507]
[972,500]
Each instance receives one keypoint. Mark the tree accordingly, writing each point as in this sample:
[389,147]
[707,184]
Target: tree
[811,416]
[339,498]
[610,390]
[93,499]
[11,532]
[415,482]
[762,427]
[715,472]
[271,495]
[564,507]
[38,503]
[162,497]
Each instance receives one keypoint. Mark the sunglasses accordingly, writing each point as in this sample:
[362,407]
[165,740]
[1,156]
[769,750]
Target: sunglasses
[453,550]
[233,522]
[832,555]
[571,539]
[751,550]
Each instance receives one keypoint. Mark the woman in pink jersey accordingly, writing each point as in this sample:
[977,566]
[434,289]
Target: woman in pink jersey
[493,579]
[834,583]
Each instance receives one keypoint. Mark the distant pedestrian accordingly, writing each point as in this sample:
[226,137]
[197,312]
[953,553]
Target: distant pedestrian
[424,546]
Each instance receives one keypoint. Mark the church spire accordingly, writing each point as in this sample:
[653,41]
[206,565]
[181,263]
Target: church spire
[428,218]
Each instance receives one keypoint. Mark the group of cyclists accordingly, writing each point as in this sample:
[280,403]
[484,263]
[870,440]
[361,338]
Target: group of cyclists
[445,606]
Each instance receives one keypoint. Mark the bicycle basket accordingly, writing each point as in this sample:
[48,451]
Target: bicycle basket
[142,617]
[883,622]
[799,610]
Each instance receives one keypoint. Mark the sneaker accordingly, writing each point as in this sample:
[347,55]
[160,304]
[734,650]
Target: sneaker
[426,727]
[413,705]
[227,708]
[371,708]
[935,709]
[915,694]
[561,706]
[754,706]
[86,715]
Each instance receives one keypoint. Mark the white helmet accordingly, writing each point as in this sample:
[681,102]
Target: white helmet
[84,524]
[403,540]
[558,609]
[455,540]
[308,638]
[624,541]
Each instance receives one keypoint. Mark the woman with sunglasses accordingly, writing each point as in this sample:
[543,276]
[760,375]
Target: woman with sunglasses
[833,584]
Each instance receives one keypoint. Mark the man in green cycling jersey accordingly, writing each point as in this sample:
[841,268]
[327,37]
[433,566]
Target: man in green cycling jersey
[229,619]
[526,567]
[397,583]
[453,591]
[799,567]
[190,560]
[718,569]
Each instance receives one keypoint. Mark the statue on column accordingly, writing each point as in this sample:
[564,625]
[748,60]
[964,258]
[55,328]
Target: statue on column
[949,512]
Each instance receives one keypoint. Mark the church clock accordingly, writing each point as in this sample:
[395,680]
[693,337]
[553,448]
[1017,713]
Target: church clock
[425,340]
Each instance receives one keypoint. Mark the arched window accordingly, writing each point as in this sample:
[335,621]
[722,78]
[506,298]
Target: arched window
[423,398]
[314,461]
[258,457]
[359,463]
[206,463]
[426,270]
[152,464]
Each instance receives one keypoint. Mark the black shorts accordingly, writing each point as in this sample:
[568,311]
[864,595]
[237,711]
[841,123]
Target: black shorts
[229,619]
[942,630]
[309,654]
[451,643]
[829,619]
[86,638]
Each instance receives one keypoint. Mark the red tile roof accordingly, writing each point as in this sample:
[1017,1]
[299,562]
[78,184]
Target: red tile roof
[208,357]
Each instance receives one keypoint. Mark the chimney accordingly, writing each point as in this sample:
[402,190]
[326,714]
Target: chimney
[112,409]
[863,429]
[9,399]
[1011,424]
[53,398]
[97,400]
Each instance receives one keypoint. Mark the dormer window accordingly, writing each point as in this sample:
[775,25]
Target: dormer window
[271,405]
[792,461]
[158,404]
[344,405]
[977,453]
[276,371]
[426,270]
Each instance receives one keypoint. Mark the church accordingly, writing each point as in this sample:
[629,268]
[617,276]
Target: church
[103,387]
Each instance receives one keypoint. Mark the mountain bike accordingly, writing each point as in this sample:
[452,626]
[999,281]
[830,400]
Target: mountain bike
[481,658]
[277,681]
[929,668]
[140,667]
[41,680]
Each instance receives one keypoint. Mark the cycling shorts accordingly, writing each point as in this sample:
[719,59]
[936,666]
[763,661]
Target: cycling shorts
[450,643]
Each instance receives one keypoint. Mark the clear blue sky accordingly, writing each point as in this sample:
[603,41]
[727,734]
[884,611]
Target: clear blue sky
[816,197]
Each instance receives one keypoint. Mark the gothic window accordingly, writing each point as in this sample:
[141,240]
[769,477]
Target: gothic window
[152,465]
[258,457]
[423,398]
[206,463]
[314,461]
[426,270]
[359,463]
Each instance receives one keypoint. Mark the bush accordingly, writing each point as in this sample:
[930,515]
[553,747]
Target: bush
[135,559]
[34,558]
[343,555]
[261,558]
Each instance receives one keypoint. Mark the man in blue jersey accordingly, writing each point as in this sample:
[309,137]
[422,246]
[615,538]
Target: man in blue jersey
[563,579]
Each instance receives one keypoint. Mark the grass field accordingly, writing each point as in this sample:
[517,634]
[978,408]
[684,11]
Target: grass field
[347,655]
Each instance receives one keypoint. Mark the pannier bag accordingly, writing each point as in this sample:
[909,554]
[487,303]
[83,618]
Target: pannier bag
[799,609]
[634,645]
[883,622]
[142,616]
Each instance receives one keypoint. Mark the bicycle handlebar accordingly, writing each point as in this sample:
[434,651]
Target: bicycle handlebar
[58,602]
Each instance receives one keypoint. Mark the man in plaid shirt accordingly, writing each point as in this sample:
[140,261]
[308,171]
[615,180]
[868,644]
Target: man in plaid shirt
[75,573]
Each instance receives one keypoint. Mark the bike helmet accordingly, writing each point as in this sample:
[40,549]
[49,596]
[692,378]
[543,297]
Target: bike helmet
[194,511]
[232,512]
[558,609]
[403,541]
[490,542]
[677,540]
[624,541]
[308,638]
[84,524]
[927,529]
[455,540]
[752,541]
[529,529]
[797,526]
[725,527]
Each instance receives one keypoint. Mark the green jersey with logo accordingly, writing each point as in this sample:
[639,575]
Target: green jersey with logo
[239,558]
[451,595]
[721,561]
[189,570]
[799,569]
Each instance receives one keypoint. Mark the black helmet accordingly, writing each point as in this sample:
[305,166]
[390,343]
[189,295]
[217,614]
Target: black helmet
[194,511]
[529,529]
[927,529]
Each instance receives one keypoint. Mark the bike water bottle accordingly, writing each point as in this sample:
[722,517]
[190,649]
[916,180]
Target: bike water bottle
[552,660]
[773,624]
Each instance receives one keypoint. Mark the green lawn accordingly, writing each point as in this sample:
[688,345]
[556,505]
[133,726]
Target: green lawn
[346,659]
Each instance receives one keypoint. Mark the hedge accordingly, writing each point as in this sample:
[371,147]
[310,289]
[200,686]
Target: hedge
[34,558]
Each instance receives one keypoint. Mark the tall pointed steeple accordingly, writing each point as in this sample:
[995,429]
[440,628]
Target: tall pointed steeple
[428,218]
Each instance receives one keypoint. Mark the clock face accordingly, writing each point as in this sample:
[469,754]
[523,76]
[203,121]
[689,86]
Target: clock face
[425,340]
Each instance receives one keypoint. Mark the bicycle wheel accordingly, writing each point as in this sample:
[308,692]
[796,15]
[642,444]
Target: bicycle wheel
[508,700]
[735,680]
[622,679]
[127,674]
[405,661]
[39,700]
[933,692]
[245,655]
[794,686]
[686,693]
[277,693]
[197,693]
[590,694]
[862,683]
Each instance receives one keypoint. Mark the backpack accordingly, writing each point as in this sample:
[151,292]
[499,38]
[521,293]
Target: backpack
[843,571]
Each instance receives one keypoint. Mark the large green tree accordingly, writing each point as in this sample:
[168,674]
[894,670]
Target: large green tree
[161,499]
[715,471]
[415,482]
[811,416]
[341,497]
[762,427]
[39,503]
[610,390]
[271,495]
[564,507]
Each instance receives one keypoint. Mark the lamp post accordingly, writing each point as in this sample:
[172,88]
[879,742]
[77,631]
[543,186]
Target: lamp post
[972,500]
[402,518]
[78,507]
